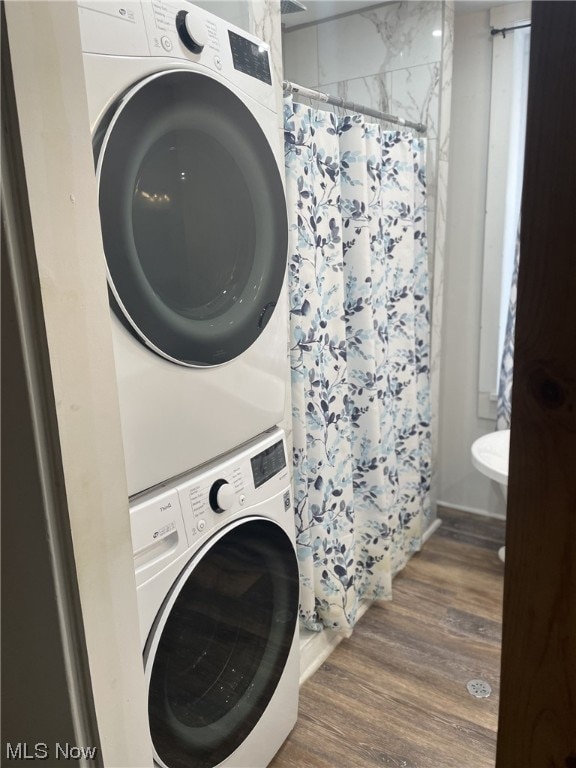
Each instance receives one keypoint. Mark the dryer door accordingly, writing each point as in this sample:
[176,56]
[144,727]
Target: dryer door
[193,217]
[220,644]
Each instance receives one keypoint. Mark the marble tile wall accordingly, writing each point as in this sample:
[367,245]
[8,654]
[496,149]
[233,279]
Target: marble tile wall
[388,58]
[397,58]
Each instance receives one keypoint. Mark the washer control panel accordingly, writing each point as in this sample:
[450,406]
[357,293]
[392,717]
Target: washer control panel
[203,499]
[158,533]
[211,496]
[268,463]
[231,487]
[169,519]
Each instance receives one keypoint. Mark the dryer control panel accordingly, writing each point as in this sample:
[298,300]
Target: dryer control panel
[178,30]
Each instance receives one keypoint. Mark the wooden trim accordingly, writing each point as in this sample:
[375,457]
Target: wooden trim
[470,510]
[537,719]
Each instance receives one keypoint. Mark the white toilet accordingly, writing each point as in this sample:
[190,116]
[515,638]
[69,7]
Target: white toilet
[490,456]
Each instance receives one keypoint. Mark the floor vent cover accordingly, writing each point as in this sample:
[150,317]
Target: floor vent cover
[479,688]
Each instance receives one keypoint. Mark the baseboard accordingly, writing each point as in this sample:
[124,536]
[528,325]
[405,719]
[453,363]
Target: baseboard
[315,647]
[471,510]
[431,530]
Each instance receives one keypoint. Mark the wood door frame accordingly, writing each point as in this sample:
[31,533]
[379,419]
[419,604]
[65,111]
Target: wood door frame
[537,719]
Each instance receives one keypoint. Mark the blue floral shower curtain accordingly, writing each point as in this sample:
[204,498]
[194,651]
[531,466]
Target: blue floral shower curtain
[359,357]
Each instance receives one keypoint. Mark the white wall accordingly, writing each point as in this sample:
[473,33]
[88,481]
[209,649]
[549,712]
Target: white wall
[458,482]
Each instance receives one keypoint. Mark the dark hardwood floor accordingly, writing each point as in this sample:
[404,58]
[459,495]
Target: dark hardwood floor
[394,694]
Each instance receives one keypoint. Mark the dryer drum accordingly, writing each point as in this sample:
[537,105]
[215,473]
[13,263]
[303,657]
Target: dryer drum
[193,217]
[223,646]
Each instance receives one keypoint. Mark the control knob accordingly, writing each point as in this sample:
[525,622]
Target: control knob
[191,31]
[222,496]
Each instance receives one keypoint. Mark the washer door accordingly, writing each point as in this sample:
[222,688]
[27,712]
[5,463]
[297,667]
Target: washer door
[220,645]
[193,218]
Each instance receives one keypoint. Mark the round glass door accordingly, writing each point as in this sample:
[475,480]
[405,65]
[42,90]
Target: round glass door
[193,218]
[216,655]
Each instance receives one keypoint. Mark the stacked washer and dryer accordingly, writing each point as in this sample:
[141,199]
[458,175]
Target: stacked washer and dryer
[188,162]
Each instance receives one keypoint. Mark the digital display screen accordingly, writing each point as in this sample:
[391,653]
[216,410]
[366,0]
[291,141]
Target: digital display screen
[250,58]
[268,463]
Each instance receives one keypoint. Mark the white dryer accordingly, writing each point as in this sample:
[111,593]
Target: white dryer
[217,585]
[188,161]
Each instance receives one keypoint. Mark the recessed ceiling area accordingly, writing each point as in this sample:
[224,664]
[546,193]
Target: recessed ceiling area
[321,10]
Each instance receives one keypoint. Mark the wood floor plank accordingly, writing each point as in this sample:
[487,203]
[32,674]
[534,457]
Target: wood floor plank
[466,529]
[394,693]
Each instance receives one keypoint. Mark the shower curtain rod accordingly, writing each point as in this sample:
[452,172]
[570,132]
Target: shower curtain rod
[336,101]
[503,30]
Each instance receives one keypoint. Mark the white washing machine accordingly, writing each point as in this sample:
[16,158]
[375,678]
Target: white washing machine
[217,585]
[188,161]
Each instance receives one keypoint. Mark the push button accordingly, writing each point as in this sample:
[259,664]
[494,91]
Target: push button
[166,43]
